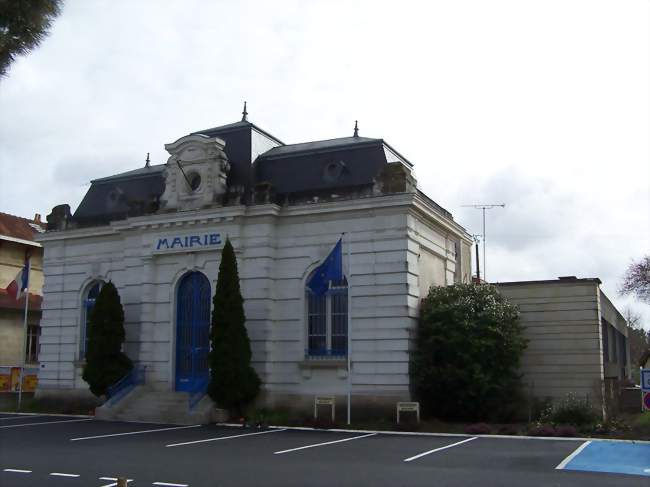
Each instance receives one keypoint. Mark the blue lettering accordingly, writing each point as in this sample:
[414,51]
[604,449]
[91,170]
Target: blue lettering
[215,239]
[161,242]
[178,241]
[195,238]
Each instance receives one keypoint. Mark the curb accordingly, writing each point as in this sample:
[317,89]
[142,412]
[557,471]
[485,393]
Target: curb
[457,435]
[48,414]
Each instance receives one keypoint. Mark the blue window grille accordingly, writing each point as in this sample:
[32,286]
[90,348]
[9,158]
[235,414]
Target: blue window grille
[327,323]
[88,305]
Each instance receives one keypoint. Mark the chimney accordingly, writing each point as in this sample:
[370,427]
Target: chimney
[37,218]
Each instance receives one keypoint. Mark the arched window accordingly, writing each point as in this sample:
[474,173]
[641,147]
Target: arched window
[87,305]
[327,321]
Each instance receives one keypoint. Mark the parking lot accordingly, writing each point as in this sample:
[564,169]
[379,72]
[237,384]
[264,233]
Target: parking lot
[79,451]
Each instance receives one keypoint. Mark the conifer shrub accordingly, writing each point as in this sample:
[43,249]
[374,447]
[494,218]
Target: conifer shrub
[105,362]
[467,352]
[233,381]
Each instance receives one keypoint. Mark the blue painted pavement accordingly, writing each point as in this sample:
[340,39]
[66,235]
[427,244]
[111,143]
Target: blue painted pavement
[613,457]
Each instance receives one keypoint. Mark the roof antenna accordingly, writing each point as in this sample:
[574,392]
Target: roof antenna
[244,114]
[147,161]
[356,128]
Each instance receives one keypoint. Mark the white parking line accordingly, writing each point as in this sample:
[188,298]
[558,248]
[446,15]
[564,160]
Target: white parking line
[224,438]
[575,453]
[410,459]
[323,444]
[16,470]
[45,422]
[59,474]
[136,432]
[19,417]
[167,484]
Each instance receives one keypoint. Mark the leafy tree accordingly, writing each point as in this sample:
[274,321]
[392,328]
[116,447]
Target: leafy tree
[639,340]
[233,381]
[467,354]
[23,25]
[636,280]
[105,361]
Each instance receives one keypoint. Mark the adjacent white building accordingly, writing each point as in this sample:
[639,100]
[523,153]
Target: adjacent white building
[157,233]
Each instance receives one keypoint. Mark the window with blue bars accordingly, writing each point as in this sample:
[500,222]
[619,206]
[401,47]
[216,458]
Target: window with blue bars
[327,322]
[87,306]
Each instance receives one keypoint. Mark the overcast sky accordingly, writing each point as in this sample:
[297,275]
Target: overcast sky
[541,105]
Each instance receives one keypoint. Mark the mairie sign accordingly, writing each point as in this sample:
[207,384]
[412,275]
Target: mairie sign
[187,242]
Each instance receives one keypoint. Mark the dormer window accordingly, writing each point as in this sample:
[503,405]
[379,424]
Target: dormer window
[194,179]
[333,171]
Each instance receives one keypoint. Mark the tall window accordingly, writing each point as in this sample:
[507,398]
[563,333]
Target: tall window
[87,306]
[33,339]
[327,322]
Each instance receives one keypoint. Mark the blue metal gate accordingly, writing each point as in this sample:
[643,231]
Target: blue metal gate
[192,331]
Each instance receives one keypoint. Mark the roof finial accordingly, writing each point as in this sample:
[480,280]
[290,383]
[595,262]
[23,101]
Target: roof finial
[356,128]
[244,117]
[147,161]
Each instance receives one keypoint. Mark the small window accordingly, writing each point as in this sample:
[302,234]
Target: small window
[327,322]
[194,179]
[33,344]
[87,306]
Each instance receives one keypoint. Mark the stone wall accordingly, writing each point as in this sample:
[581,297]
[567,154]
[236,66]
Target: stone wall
[276,248]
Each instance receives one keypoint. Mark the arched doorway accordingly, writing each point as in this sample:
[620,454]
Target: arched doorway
[192,331]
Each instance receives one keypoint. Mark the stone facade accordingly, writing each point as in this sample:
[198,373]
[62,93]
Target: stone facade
[574,339]
[400,243]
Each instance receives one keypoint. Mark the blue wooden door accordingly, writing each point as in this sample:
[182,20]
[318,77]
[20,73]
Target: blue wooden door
[192,331]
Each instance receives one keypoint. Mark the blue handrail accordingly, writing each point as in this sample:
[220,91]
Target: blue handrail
[198,391]
[122,387]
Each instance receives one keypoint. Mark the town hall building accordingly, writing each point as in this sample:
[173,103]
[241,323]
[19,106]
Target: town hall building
[157,233]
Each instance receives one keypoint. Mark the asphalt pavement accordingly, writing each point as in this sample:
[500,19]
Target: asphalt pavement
[77,451]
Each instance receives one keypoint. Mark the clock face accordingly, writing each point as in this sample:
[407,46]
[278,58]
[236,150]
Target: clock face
[194,179]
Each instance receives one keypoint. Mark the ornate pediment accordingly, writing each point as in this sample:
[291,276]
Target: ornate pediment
[196,173]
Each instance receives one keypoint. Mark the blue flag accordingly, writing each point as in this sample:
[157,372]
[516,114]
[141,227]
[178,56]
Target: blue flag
[330,270]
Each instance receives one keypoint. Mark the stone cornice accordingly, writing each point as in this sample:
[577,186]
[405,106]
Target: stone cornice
[413,201]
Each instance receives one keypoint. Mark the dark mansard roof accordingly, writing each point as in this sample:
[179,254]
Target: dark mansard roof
[293,172]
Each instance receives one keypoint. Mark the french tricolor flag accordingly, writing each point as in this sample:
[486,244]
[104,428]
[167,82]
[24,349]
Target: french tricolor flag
[20,282]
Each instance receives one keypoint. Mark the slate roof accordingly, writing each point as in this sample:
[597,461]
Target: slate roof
[130,193]
[18,227]
[319,146]
[321,165]
[234,127]
[143,171]
[304,170]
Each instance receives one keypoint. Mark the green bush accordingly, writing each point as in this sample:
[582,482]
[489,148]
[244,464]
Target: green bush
[105,362]
[233,381]
[467,353]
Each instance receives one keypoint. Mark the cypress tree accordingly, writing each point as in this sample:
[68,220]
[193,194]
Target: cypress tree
[233,381]
[105,361]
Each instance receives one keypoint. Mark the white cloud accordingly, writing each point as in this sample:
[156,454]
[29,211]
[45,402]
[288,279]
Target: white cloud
[540,105]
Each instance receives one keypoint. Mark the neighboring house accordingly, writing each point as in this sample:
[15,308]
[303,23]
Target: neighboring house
[157,232]
[577,339]
[16,244]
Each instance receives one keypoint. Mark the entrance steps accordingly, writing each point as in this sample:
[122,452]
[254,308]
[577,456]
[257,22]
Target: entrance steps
[168,407]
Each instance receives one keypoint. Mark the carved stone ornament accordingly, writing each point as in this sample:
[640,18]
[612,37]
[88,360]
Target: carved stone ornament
[196,173]
[394,178]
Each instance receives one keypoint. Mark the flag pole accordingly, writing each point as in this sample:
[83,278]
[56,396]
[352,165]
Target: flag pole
[24,349]
[349,354]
